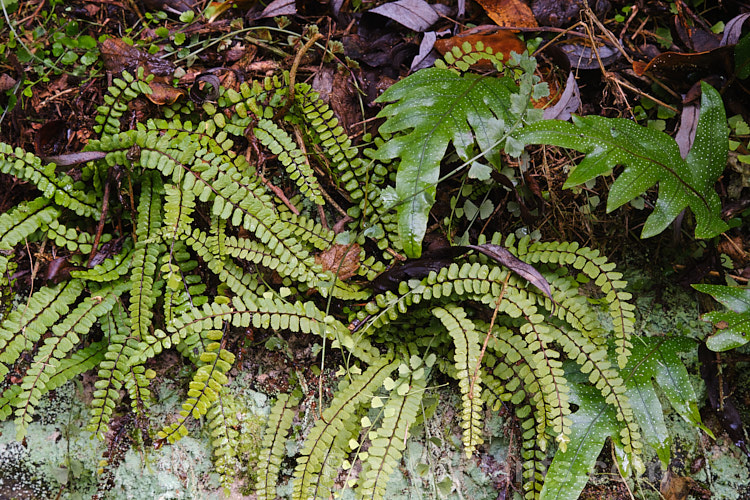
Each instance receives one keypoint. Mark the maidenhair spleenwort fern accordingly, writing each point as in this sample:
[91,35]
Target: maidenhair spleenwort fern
[193,249]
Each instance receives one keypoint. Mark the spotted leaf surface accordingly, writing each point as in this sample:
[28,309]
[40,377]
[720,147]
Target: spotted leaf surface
[653,361]
[734,323]
[650,157]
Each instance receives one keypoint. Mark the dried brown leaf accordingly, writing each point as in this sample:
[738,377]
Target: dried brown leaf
[509,13]
[162,93]
[341,260]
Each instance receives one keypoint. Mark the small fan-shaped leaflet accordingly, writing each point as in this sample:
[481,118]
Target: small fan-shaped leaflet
[340,414]
[291,157]
[205,387]
[234,196]
[179,205]
[54,186]
[145,256]
[110,269]
[122,91]
[80,361]
[460,59]
[223,423]
[116,371]
[274,446]
[388,441]
[509,377]
[243,284]
[21,222]
[65,336]
[360,178]
[546,363]
[34,318]
[72,239]
[183,285]
[466,355]
[326,130]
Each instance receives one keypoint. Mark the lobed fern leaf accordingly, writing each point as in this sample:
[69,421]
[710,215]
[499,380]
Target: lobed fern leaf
[650,157]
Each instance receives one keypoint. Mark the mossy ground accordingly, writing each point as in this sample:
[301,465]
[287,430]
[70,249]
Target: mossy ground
[59,457]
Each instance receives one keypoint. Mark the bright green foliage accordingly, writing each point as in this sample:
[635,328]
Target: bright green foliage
[434,108]
[206,386]
[281,144]
[273,446]
[736,331]
[438,107]
[146,288]
[649,157]
[467,345]
[388,441]
[200,252]
[315,471]
[652,360]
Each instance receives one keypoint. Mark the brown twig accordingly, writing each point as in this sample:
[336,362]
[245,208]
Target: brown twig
[487,337]
[279,193]
[293,75]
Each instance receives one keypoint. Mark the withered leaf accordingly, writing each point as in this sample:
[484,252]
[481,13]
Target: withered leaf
[341,260]
[435,261]
[118,56]
[509,13]
[162,93]
[674,487]
[503,257]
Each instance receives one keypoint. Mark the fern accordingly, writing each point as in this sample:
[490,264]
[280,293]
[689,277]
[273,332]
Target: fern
[65,336]
[467,348]
[388,441]
[595,420]
[279,422]
[736,331]
[194,251]
[205,387]
[432,109]
[340,414]
[650,157]
[294,161]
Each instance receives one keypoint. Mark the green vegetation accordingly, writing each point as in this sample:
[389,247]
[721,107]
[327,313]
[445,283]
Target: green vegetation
[170,240]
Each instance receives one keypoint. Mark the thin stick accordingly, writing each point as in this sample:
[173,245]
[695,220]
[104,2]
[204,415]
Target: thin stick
[293,75]
[487,337]
[278,192]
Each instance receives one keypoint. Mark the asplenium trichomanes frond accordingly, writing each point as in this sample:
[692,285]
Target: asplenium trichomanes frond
[183,258]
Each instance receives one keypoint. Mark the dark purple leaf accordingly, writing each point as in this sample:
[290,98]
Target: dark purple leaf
[416,15]
[436,260]
[503,257]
